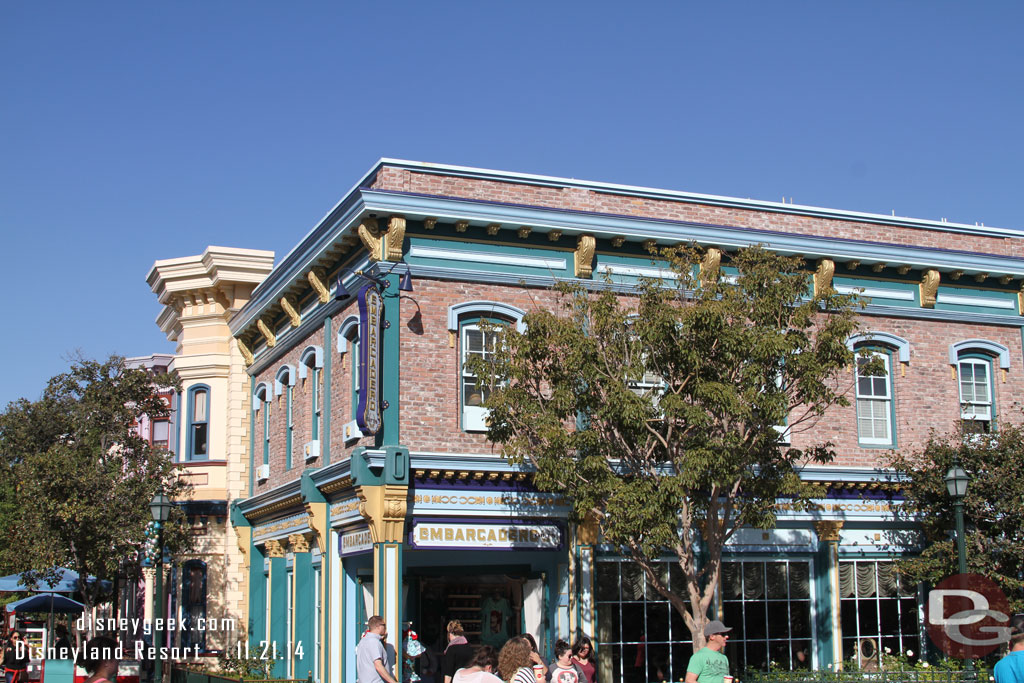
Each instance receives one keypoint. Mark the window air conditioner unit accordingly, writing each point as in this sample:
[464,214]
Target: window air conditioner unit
[263,472]
[312,449]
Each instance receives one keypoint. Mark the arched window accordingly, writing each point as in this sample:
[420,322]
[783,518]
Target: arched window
[198,444]
[193,604]
[974,360]
[261,404]
[348,343]
[285,383]
[470,321]
[311,364]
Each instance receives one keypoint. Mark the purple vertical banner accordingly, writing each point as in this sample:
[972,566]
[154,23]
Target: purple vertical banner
[371,312]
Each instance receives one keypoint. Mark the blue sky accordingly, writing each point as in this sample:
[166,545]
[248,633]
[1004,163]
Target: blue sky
[135,131]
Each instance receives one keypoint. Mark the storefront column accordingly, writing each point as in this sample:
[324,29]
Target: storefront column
[318,515]
[278,603]
[581,593]
[305,610]
[149,576]
[829,646]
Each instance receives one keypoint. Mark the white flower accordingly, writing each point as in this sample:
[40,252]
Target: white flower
[910,653]
[888,651]
[924,664]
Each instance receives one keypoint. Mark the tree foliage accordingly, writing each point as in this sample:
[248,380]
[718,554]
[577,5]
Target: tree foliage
[84,477]
[993,507]
[676,465]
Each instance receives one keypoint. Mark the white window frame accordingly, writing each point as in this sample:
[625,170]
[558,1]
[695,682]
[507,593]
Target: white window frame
[886,400]
[474,418]
[966,413]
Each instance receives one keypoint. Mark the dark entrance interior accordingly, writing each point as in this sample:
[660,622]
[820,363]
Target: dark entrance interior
[488,605]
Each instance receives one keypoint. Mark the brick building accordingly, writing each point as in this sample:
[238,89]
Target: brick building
[417,518]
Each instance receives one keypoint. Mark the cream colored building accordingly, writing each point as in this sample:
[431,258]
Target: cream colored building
[210,430]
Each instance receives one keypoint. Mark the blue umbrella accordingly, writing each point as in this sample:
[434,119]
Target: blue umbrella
[67,582]
[46,602]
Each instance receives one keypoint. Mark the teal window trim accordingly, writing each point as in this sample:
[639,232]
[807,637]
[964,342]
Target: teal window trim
[289,428]
[315,426]
[886,401]
[311,363]
[198,435]
[973,359]
[261,405]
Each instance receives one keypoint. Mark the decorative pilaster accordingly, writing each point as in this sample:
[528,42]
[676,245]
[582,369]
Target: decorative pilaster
[583,257]
[826,575]
[823,276]
[298,543]
[278,601]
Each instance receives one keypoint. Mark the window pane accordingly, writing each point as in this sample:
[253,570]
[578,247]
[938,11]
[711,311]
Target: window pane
[199,406]
[199,439]
[474,341]
[161,431]
[776,580]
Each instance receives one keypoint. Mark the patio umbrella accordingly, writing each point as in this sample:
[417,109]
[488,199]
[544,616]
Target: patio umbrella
[46,602]
[67,582]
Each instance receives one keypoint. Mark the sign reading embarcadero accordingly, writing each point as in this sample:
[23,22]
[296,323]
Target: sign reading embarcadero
[486,536]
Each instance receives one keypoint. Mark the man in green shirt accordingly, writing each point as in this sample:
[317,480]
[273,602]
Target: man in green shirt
[709,665]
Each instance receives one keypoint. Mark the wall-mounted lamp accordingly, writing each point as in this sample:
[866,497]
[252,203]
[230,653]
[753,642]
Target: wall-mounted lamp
[404,283]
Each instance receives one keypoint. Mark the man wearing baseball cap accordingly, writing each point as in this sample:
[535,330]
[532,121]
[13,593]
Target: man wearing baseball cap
[709,665]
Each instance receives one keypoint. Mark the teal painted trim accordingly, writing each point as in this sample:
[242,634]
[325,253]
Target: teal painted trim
[257,596]
[885,292]
[310,492]
[491,256]
[990,301]
[822,607]
[362,472]
[391,365]
[305,616]
[289,429]
[325,447]
[278,608]
[252,437]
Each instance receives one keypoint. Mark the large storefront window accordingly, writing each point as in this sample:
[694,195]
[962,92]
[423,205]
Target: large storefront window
[768,606]
[878,611]
[641,636]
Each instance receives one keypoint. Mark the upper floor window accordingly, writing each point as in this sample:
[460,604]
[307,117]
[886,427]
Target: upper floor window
[261,404]
[974,360]
[470,321]
[162,433]
[310,372]
[874,400]
[198,423]
[285,384]
[348,345]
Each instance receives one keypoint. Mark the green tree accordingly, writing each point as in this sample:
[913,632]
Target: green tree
[661,412]
[993,507]
[84,476]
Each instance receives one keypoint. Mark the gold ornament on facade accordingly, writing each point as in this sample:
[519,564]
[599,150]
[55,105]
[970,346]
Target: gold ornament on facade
[461,226]
[903,270]
[318,516]
[395,238]
[267,334]
[274,548]
[618,241]
[710,265]
[828,530]
[852,265]
[929,288]
[243,536]
[369,234]
[298,543]
[524,232]
[583,257]
[554,235]
[650,245]
[493,229]
[956,275]
[429,223]
[981,277]
[246,353]
[823,277]
[289,309]
[317,280]
[878,267]
[1005,279]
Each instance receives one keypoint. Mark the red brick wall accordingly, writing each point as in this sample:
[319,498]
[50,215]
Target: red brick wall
[581,199]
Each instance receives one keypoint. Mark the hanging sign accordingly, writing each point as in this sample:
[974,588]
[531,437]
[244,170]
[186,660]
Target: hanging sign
[371,312]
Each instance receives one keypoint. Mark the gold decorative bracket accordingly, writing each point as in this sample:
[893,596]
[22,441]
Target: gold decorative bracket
[524,232]
[394,239]
[554,235]
[316,279]
[275,548]
[246,353]
[618,241]
[461,226]
[929,288]
[828,530]
[710,265]
[384,508]
[319,516]
[293,315]
[823,277]
[369,234]
[493,229]
[298,543]
[429,223]
[243,536]
[583,257]
[267,334]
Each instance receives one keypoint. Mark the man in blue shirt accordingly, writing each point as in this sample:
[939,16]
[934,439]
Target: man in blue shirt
[1010,668]
[371,657]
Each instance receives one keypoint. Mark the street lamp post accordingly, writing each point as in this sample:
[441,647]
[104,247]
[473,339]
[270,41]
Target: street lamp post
[956,485]
[160,508]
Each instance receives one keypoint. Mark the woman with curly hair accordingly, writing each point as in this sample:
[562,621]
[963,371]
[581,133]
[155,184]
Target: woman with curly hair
[514,663]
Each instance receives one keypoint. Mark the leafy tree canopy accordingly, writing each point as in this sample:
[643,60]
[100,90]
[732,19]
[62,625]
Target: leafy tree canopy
[83,477]
[659,410]
[993,507]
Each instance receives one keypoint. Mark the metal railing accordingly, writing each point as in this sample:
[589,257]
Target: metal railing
[894,676]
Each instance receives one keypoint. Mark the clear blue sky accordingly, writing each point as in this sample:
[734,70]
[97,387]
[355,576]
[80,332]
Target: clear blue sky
[135,131]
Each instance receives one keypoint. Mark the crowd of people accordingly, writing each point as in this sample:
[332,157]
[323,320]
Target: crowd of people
[518,660]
